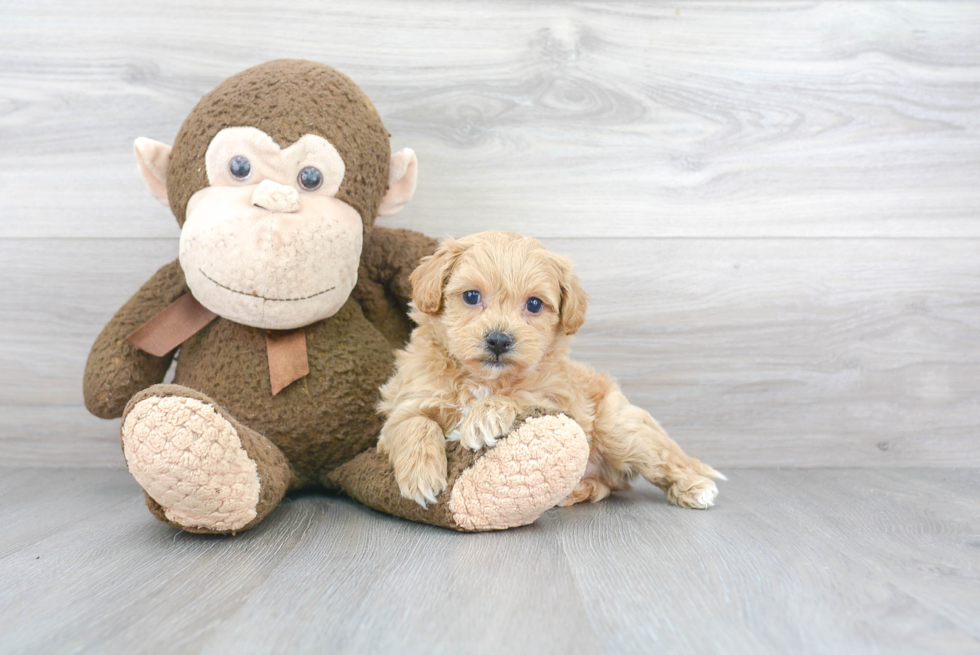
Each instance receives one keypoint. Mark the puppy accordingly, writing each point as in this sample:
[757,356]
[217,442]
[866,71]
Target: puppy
[495,312]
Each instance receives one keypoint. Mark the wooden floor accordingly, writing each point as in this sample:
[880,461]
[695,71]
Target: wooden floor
[813,561]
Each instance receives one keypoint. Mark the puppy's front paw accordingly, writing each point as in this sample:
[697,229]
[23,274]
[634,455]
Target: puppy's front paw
[424,480]
[698,493]
[417,452]
[485,422]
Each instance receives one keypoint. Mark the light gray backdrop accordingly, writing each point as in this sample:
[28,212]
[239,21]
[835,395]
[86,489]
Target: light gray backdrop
[774,206]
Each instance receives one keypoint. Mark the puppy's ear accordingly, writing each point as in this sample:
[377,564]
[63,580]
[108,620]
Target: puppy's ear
[573,297]
[432,274]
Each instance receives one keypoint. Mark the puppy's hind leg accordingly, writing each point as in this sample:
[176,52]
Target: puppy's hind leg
[630,441]
[588,489]
[596,485]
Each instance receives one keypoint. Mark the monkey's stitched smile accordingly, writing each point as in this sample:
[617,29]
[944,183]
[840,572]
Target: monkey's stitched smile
[255,295]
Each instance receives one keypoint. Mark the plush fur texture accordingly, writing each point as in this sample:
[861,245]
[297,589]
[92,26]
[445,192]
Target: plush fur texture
[286,99]
[321,420]
[214,474]
[532,469]
[451,381]
[216,451]
[327,417]
[529,471]
[261,250]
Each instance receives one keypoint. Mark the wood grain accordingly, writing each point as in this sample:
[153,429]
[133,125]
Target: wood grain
[810,561]
[774,204]
[573,119]
[814,561]
[831,352]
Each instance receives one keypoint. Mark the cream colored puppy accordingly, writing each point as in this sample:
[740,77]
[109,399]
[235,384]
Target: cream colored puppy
[495,311]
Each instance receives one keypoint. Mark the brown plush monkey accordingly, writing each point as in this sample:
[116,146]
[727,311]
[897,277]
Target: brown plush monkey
[282,311]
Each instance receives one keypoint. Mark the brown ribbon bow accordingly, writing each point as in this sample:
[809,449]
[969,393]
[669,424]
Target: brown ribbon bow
[185,317]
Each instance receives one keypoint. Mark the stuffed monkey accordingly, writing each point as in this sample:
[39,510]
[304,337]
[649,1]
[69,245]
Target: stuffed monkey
[282,311]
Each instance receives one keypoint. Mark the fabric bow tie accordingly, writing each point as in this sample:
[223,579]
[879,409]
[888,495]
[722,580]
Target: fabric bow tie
[185,317]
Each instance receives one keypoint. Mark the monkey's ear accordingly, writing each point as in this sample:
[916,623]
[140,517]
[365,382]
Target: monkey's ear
[573,297]
[152,158]
[432,274]
[402,176]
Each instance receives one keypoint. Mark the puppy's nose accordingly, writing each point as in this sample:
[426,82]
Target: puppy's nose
[499,342]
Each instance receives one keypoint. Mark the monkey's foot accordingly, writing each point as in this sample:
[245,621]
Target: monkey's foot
[202,470]
[528,472]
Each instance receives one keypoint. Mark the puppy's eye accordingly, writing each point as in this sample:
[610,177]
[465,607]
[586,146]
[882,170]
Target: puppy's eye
[240,167]
[471,297]
[534,305]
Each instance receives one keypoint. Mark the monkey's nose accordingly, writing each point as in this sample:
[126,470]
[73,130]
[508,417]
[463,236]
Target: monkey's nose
[275,197]
[498,342]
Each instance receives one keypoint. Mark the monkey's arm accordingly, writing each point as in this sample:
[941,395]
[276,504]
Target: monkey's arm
[389,256]
[116,369]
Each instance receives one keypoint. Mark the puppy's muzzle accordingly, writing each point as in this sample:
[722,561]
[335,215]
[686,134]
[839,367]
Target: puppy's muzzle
[498,342]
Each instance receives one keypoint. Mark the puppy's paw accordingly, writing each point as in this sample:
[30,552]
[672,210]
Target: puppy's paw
[695,493]
[485,422]
[417,452]
[587,489]
[424,480]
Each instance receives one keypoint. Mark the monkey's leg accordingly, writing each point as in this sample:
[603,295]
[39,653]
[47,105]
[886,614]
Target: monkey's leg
[528,471]
[201,470]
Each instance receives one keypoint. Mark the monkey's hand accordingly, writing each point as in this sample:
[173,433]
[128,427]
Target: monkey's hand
[390,255]
[116,369]
[416,449]
[486,421]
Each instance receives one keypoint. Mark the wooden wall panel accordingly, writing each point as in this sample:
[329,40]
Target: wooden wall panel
[623,119]
[775,205]
[830,352]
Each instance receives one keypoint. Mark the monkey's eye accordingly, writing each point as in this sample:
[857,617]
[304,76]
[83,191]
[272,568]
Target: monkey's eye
[534,305]
[471,297]
[310,178]
[240,167]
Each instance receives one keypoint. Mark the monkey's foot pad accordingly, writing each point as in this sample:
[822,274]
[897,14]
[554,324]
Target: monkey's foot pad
[528,472]
[190,460]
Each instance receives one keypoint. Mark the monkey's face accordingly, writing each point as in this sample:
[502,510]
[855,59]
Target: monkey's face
[268,244]
[274,210]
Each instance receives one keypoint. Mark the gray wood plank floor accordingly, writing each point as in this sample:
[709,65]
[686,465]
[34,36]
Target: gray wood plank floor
[808,561]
